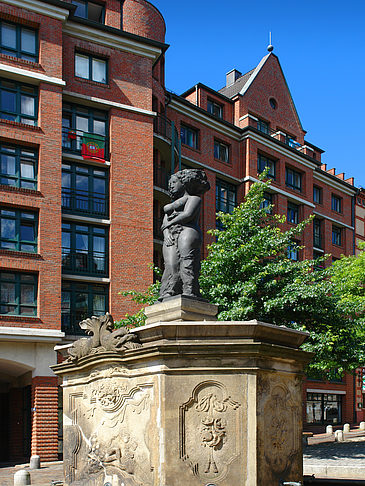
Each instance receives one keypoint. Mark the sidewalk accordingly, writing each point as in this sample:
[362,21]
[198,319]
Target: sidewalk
[51,471]
[336,460]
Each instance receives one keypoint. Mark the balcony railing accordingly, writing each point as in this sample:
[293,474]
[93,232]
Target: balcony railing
[70,322]
[72,140]
[84,263]
[279,136]
[157,233]
[160,177]
[84,203]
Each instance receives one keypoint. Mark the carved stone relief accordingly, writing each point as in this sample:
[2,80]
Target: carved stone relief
[281,414]
[210,426]
[108,438]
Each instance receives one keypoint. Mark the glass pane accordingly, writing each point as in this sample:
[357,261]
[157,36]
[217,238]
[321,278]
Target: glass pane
[27,232]
[66,180]
[28,41]
[28,311]
[99,127]
[7,292]
[82,123]
[99,186]
[27,185]
[99,304]
[26,247]
[8,35]
[82,66]
[66,240]
[8,101]
[8,164]
[82,242]
[27,105]
[82,183]
[99,70]
[26,278]
[99,244]
[95,12]
[8,245]
[80,8]
[27,169]
[27,294]
[8,229]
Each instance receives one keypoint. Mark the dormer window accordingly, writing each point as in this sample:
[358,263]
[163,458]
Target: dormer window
[215,109]
[89,10]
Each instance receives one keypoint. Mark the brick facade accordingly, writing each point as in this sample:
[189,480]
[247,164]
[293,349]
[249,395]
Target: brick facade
[78,272]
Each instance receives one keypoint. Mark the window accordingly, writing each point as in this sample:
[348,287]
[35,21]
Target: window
[84,190]
[336,236]
[78,121]
[317,239]
[293,213]
[221,151]
[80,301]
[90,67]
[18,294]
[215,109]
[89,10]
[263,162]
[293,179]
[18,166]
[84,249]
[336,203]
[293,252]
[18,102]
[225,198]
[189,136]
[317,195]
[319,264]
[267,202]
[324,408]
[18,41]
[263,126]
[18,230]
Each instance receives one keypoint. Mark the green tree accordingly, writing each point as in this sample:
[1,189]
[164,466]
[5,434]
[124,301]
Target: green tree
[249,276]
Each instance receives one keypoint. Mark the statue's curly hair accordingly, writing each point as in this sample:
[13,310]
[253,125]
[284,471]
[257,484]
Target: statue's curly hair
[194,180]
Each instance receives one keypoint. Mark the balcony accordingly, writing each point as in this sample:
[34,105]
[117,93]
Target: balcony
[84,203]
[84,263]
[167,140]
[70,322]
[161,177]
[72,141]
[278,135]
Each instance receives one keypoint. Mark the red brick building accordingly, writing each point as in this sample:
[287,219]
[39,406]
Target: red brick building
[88,138]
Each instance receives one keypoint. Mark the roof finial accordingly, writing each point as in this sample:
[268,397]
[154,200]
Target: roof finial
[270,47]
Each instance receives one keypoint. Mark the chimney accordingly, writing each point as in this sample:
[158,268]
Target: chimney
[232,76]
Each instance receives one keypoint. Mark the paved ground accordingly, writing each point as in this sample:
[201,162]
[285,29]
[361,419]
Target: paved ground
[40,477]
[341,460]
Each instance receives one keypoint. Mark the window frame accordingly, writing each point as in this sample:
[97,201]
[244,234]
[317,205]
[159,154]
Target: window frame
[334,200]
[229,203]
[218,152]
[295,208]
[317,233]
[267,202]
[19,219]
[262,163]
[263,126]
[319,191]
[194,131]
[215,105]
[337,237]
[17,281]
[91,231]
[293,252]
[18,51]
[91,57]
[79,197]
[74,288]
[17,152]
[20,117]
[293,173]
[323,400]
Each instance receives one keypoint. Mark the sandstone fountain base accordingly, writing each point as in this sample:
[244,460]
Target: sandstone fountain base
[199,404]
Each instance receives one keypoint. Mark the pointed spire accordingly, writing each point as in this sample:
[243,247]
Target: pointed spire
[270,47]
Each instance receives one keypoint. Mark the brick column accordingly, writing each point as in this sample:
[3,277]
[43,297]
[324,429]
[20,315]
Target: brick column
[45,417]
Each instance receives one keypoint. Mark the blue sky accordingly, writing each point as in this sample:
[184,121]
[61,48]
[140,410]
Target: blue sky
[320,46]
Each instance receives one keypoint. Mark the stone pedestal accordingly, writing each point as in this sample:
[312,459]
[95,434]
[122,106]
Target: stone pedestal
[181,308]
[200,403]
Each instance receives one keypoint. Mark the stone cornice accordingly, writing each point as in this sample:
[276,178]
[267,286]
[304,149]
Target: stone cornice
[123,43]
[43,8]
[29,76]
[30,334]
